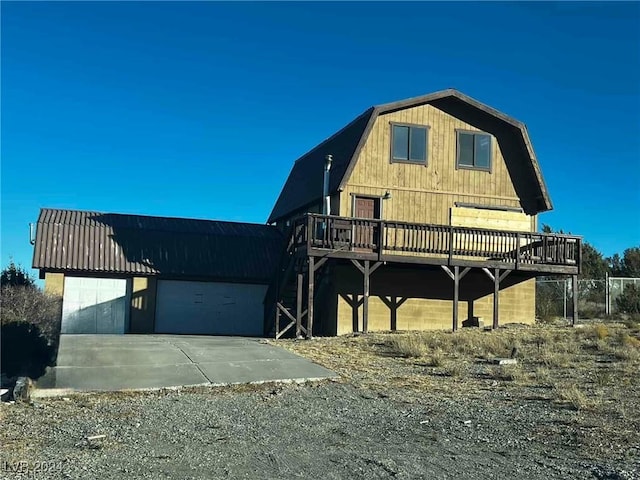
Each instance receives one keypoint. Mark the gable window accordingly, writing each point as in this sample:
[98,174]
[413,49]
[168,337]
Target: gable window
[474,150]
[408,143]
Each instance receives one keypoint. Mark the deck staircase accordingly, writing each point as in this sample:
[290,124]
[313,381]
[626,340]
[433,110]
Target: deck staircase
[285,301]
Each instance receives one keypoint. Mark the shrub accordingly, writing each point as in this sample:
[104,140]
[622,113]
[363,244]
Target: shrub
[436,359]
[543,376]
[597,332]
[629,341]
[513,373]
[25,304]
[629,300]
[30,324]
[627,353]
[15,276]
[456,368]
[571,395]
[601,331]
[409,346]
[549,301]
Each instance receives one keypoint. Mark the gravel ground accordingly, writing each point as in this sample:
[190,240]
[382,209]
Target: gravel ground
[326,430]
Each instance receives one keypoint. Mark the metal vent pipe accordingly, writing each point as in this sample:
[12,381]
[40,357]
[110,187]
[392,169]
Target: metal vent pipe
[326,199]
[32,239]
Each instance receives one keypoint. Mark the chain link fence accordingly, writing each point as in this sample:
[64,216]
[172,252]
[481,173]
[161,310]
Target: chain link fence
[616,286]
[554,299]
[596,298]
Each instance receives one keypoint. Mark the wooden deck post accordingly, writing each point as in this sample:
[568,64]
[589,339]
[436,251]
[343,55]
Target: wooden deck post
[496,277]
[456,276]
[574,281]
[312,276]
[365,304]
[355,304]
[456,294]
[393,303]
[366,271]
[470,309]
[496,295]
[300,278]
[393,309]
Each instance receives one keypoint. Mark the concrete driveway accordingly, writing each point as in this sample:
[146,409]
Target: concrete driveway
[118,362]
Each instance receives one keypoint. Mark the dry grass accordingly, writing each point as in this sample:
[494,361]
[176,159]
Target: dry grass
[512,373]
[455,363]
[592,370]
[409,346]
[542,376]
[627,353]
[436,358]
[572,396]
[456,369]
[629,341]
[601,331]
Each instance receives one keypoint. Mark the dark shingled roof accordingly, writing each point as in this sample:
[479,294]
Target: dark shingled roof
[304,184]
[79,241]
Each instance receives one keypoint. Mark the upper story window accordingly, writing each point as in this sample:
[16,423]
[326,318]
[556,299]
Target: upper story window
[474,150]
[408,143]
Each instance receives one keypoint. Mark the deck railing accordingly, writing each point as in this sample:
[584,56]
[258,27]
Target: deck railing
[444,241]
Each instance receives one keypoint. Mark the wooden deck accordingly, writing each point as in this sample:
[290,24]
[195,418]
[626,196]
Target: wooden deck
[368,244]
[403,242]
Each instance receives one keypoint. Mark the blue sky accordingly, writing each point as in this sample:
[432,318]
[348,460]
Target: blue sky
[200,109]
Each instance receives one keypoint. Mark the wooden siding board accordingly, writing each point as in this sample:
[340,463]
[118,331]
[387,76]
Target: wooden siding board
[409,184]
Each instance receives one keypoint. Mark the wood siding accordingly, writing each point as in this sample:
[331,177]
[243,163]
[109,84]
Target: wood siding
[421,193]
[54,283]
[428,194]
[517,305]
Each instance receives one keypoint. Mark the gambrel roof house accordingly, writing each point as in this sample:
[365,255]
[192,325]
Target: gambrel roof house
[410,209]
[301,190]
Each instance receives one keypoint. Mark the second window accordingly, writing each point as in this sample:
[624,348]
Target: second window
[474,150]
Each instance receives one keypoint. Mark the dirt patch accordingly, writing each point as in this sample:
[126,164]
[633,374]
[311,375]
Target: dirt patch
[590,372]
[392,416]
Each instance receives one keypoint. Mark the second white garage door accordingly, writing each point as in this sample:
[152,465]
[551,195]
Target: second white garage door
[209,308]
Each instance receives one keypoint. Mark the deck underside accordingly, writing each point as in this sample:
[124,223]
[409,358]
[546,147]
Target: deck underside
[412,261]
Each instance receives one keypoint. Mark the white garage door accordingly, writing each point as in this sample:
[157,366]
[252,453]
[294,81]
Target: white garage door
[209,308]
[94,305]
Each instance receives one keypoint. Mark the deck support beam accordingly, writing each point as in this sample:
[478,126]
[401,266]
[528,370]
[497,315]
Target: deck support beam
[456,276]
[393,303]
[312,276]
[367,269]
[354,302]
[574,287]
[496,277]
[300,281]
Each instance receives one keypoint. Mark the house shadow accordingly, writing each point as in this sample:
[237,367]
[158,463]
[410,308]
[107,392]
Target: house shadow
[186,248]
[511,143]
[110,316]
